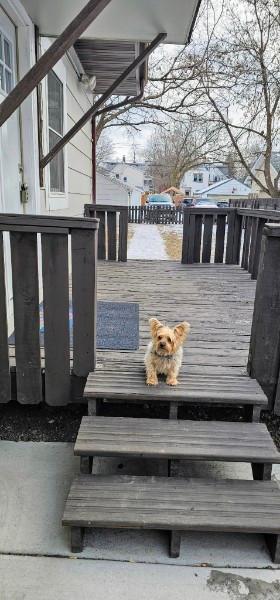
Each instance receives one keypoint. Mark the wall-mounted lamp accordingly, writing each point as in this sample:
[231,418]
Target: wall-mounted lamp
[89,83]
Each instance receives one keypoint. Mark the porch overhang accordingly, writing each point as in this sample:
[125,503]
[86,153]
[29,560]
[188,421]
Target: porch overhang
[121,20]
[106,60]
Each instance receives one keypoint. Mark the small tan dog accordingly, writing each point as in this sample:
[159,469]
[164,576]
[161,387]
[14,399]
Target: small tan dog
[165,353]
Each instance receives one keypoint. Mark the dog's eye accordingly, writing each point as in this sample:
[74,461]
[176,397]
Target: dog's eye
[160,337]
[168,339]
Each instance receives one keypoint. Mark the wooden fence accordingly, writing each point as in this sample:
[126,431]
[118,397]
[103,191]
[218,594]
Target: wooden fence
[155,214]
[32,370]
[229,235]
[113,229]
[265,203]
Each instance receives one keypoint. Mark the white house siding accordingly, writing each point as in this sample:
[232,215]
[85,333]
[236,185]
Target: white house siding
[77,153]
[130,175]
[110,191]
[209,175]
[225,190]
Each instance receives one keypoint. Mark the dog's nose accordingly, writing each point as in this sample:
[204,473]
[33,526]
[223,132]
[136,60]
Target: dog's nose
[162,344]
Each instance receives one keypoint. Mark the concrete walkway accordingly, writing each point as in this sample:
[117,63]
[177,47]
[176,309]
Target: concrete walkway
[116,564]
[30,578]
[147,244]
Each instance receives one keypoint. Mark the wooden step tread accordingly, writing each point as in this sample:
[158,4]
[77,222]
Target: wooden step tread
[169,503]
[162,438]
[127,382]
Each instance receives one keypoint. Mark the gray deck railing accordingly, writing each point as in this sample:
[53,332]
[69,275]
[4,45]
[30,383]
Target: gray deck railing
[200,224]
[265,203]
[229,235]
[249,238]
[264,355]
[45,365]
[155,214]
[113,230]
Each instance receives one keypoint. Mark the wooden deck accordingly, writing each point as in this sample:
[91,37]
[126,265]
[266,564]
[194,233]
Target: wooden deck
[216,299]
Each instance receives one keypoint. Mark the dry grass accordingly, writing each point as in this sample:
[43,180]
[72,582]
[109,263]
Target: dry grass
[172,241]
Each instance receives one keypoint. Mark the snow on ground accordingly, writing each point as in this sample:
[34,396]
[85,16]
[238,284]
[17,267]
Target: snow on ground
[147,244]
[164,242]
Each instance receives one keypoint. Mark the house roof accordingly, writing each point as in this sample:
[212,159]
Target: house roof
[172,189]
[275,160]
[108,175]
[258,163]
[122,20]
[221,186]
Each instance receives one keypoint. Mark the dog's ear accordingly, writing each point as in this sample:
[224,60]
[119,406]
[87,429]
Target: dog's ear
[155,324]
[181,331]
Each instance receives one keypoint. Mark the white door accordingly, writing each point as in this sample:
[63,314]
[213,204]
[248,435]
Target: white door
[10,146]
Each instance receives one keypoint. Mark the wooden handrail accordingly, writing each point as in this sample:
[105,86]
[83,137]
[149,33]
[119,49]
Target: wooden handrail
[9,221]
[261,213]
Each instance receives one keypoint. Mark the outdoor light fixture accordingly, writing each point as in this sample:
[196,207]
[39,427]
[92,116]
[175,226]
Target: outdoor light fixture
[88,82]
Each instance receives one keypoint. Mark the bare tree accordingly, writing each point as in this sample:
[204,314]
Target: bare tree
[226,81]
[180,147]
[104,149]
[232,70]
[157,105]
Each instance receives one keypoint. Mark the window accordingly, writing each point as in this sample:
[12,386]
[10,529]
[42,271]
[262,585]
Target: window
[56,119]
[117,175]
[125,178]
[198,177]
[6,65]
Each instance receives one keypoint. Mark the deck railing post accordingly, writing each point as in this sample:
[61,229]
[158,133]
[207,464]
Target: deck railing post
[233,237]
[264,354]
[186,258]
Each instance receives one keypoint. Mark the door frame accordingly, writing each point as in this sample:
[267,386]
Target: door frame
[28,115]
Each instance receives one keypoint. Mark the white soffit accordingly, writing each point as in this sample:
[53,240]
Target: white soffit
[134,20]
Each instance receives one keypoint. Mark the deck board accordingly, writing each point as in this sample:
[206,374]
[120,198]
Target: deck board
[170,503]
[216,299]
[163,438]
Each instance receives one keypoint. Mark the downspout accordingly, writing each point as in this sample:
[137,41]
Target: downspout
[93,158]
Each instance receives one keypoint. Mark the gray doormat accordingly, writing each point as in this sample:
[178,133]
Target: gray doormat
[117,326]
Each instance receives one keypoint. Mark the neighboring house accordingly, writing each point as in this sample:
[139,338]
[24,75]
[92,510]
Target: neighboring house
[136,173]
[224,190]
[130,175]
[257,169]
[200,177]
[110,190]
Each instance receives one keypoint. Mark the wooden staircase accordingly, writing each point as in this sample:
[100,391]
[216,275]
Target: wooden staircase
[172,503]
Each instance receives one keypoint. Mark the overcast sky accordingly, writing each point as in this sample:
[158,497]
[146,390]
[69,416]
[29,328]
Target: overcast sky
[125,144]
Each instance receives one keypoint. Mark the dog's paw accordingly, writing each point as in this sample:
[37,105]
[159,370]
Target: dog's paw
[152,381]
[172,381]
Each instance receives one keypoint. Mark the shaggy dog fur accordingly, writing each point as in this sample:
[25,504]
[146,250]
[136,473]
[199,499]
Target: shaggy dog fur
[165,353]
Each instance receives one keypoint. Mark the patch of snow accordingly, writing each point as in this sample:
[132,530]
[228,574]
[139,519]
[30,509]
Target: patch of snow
[147,244]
